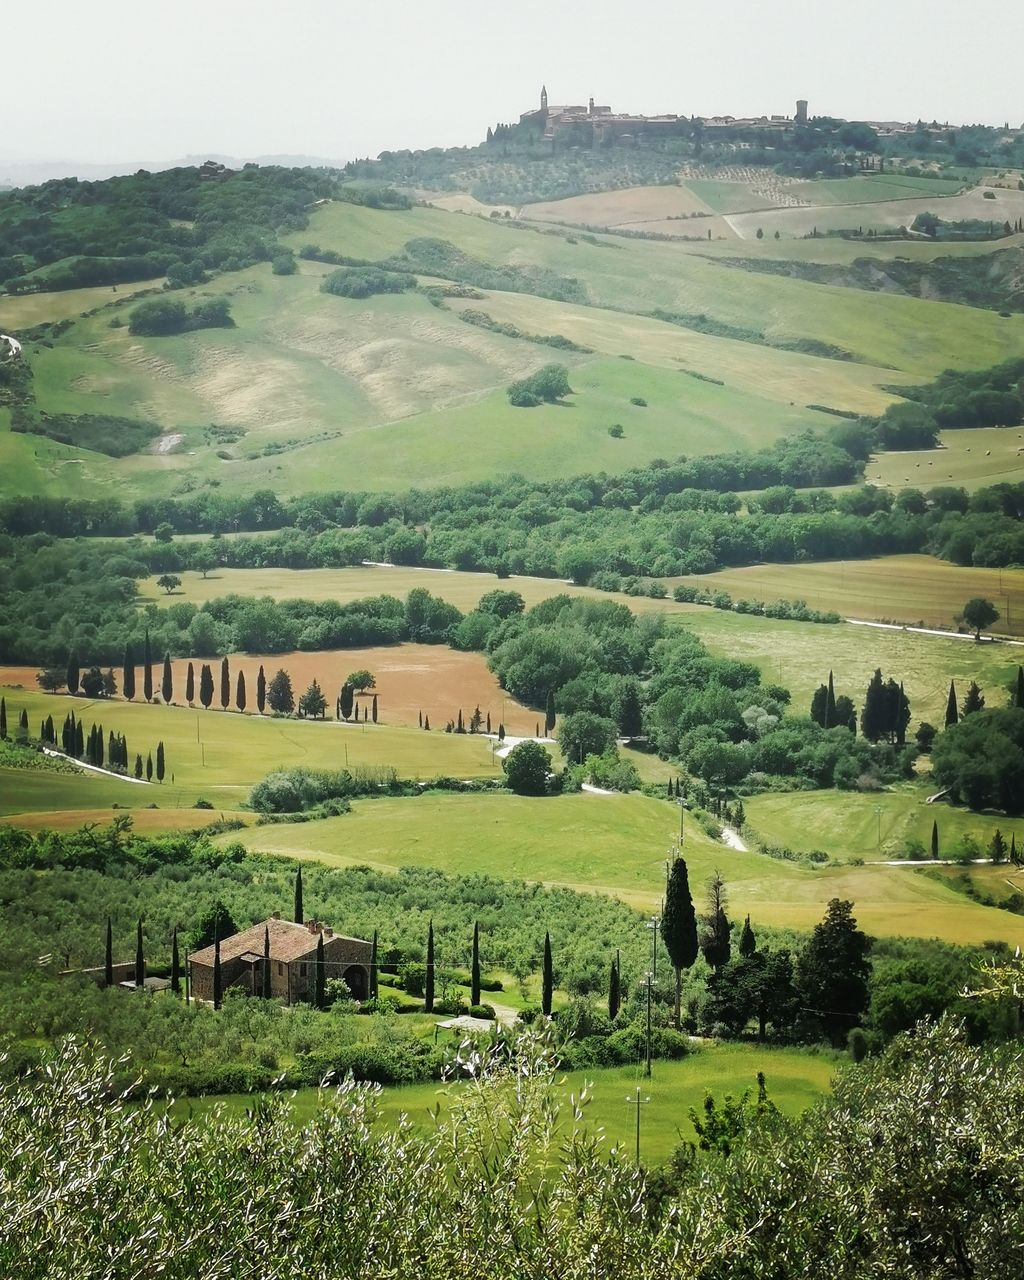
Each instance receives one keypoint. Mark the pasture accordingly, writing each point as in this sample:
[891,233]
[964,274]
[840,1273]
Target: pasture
[972,458]
[25,310]
[913,589]
[219,755]
[795,1078]
[871,825]
[799,655]
[617,845]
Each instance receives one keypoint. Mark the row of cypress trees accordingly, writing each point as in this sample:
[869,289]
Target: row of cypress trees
[91,747]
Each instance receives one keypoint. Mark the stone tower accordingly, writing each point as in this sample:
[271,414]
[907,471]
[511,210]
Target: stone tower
[543,97]
[801,111]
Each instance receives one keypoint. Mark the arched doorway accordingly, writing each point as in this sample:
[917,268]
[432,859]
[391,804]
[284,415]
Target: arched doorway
[357,981]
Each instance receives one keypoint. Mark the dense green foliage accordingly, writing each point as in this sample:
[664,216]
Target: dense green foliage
[981,760]
[104,433]
[162,316]
[363,282]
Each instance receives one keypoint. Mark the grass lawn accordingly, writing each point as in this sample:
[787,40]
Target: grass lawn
[870,826]
[617,845]
[912,589]
[795,1078]
[799,655]
[34,308]
[220,755]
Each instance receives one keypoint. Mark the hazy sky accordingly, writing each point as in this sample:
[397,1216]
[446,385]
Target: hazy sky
[146,79]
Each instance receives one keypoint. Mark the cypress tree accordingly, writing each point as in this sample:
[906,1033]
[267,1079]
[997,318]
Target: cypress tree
[345,701]
[216,971]
[421,719]
[679,925]
[830,704]
[549,714]
[902,717]
[975,700]
[108,957]
[460,726]
[935,839]
[373,714]
[79,742]
[205,685]
[261,691]
[298,913]
[149,766]
[128,673]
[319,992]
[952,712]
[474,979]
[225,684]
[3,717]
[428,994]
[147,670]
[374,989]
[547,979]
[112,750]
[159,762]
[266,962]
[240,698]
[167,683]
[175,964]
[138,766]
[1018,692]
[72,674]
[1014,855]
[190,684]
[748,942]
[140,959]
[613,991]
[98,748]
[488,722]
[426,723]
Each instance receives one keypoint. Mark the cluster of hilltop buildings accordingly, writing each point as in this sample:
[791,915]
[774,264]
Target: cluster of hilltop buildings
[597,125]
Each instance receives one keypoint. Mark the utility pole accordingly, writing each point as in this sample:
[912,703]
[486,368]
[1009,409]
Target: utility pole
[647,1063]
[654,924]
[637,1102]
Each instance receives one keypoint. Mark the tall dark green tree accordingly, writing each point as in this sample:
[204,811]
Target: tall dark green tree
[952,711]
[833,972]
[715,933]
[175,963]
[225,684]
[108,956]
[298,914]
[320,985]
[167,680]
[160,762]
[373,709]
[428,992]
[374,977]
[748,942]
[128,672]
[149,766]
[1017,698]
[975,700]
[190,684]
[147,670]
[345,700]
[830,705]
[679,925]
[474,977]
[614,991]
[240,698]
[140,959]
[549,714]
[875,717]
[935,839]
[266,962]
[72,674]
[547,988]
[3,718]
[206,685]
[261,691]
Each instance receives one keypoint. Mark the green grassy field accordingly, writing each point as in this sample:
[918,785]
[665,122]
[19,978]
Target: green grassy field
[800,655]
[973,458]
[795,1079]
[220,755]
[870,826]
[910,589]
[392,391]
[65,304]
[617,845]
[868,188]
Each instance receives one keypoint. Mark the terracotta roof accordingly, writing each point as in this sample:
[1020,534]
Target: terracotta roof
[288,941]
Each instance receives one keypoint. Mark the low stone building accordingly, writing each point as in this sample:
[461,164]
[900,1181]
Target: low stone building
[292,961]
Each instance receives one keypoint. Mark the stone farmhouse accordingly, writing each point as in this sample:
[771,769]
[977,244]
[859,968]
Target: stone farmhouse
[293,950]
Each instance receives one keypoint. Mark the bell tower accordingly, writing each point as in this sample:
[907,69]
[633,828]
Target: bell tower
[543,97]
